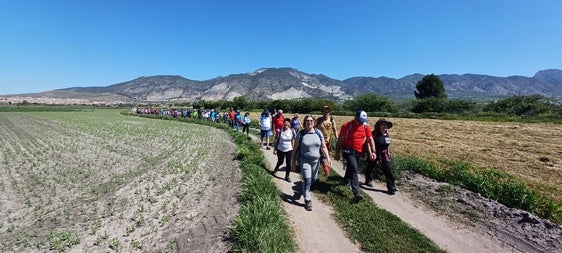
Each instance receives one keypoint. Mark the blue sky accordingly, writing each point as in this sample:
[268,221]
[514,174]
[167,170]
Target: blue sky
[47,45]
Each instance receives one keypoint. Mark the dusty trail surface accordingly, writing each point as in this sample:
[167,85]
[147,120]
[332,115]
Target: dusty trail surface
[315,231]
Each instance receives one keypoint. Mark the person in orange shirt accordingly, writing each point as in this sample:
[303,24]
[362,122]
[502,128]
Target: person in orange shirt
[353,135]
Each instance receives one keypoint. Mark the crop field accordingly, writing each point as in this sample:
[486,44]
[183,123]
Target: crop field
[532,151]
[96,180]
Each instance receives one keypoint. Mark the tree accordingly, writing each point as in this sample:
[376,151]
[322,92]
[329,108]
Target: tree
[430,86]
[240,102]
[371,102]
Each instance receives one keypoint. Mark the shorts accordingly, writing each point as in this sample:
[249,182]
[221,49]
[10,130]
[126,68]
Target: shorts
[265,133]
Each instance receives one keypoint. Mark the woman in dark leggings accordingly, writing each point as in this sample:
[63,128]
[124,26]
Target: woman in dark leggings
[382,142]
[283,144]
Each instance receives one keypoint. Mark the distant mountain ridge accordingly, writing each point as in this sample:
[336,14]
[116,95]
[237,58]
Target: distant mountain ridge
[289,83]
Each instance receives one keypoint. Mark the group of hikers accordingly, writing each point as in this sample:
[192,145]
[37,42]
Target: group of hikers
[233,117]
[304,146]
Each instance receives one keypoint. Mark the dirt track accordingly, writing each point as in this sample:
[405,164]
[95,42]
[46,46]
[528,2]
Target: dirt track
[323,234]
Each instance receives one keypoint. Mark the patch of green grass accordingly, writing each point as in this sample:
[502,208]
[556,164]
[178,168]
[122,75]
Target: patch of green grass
[500,186]
[375,229]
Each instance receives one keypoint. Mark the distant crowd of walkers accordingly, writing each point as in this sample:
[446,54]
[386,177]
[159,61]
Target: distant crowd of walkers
[233,117]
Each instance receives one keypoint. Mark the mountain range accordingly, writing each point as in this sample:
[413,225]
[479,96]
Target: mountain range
[289,83]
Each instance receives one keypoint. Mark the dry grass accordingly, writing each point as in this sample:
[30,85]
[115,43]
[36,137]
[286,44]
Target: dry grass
[530,150]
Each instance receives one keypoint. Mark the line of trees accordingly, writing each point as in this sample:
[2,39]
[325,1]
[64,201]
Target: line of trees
[430,98]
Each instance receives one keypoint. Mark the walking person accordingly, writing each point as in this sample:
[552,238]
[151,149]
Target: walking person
[237,120]
[246,123]
[309,143]
[295,122]
[278,121]
[327,126]
[283,148]
[382,161]
[353,135]
[265,128]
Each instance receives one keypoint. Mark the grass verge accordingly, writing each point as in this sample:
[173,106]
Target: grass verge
[496,185]
[374,229]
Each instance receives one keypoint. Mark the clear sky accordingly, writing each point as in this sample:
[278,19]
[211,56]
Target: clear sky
[52,44]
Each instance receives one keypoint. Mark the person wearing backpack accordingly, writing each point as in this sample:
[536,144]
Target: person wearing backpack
[353,135]
[327,126]
[382,161]
[308,146]
[283,148]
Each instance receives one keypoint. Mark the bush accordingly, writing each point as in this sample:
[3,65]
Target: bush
[533,105]
[440,105]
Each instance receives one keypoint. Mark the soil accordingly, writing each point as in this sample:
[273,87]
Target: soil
[89,175]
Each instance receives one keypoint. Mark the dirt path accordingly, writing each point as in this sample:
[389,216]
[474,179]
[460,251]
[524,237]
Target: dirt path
[317,231]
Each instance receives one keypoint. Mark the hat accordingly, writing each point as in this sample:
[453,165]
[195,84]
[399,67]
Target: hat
[265,111]
[383,120]
[361,116]
[280,111]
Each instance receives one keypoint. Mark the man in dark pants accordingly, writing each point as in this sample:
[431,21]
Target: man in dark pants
[353,134]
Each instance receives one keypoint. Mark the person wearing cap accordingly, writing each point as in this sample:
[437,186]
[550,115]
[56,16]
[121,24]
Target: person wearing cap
[382,161]
[353,135]
[327,126]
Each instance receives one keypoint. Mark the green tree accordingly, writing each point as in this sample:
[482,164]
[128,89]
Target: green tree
[430,86]
[371,102]
[240,102]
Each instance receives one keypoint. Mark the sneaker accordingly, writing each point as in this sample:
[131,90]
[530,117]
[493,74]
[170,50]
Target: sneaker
[368,183]
[391,191]
[288,179]
[268,148]
[357,199]
[308,205]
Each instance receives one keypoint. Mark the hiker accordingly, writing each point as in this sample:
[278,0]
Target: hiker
[382,161]
[353,135]
[231,115]
[265,128]
[237,120]
[295,122]
[309,143]
[327,126]
[246,123]
[278,120]
[283,148]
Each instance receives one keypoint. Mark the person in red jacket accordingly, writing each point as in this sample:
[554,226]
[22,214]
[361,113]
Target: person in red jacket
[353,135]
[278,120]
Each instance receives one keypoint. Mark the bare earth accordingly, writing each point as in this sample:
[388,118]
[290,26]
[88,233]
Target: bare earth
[100,182]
